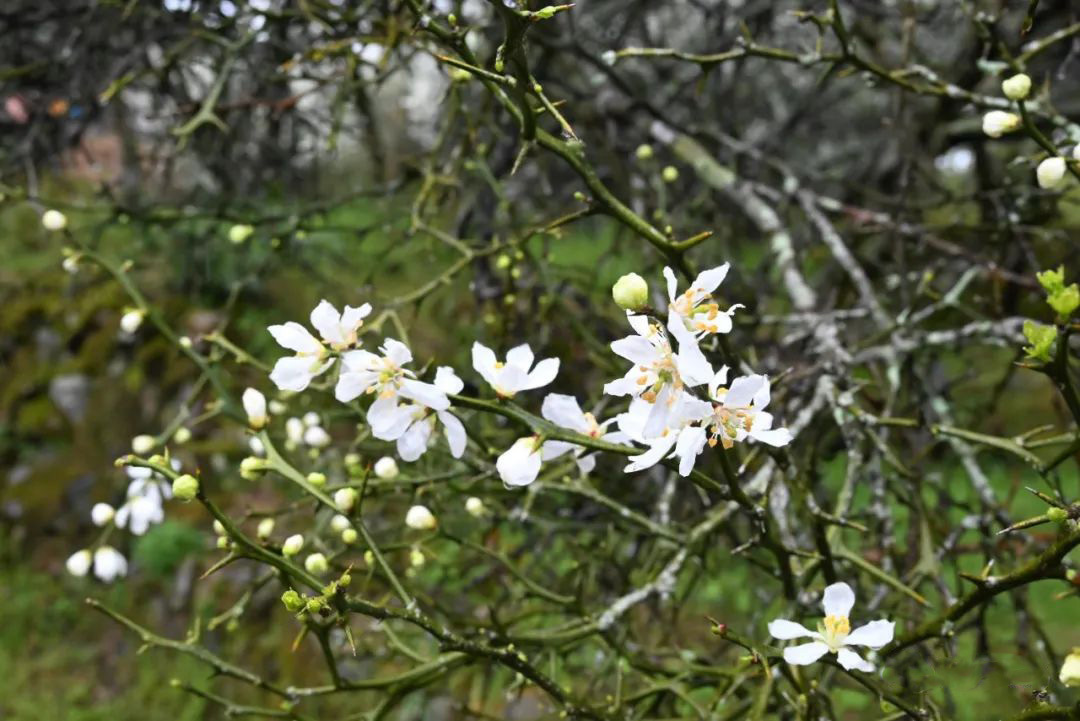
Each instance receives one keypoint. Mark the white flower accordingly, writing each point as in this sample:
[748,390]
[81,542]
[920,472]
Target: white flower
[109,564]
[520,463]
[678,438]
[316,437]
[415,438]
[146,496]
[739,411]
[474,506]
[78,563]
[517,373]
[420,518]
[338,330]
[131,320]
[292,545]
[255,406]
[102,514]
[143,444]
[1016,87]
[835,634]
[564,411]
[386,468]
[658,374]
[53,220]
[998,122]
[383,375]
[691,313]
[1050,172]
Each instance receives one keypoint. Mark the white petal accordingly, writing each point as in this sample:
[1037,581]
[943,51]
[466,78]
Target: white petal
[351,385]
[396,351]
[639,323]
[691,440]
[425,394]
[838,599]
[761,398]
[563,410]
[694,368]
[78,564]
[293,373]
[553,449]
[447,381]
[414,441]
[777,437]
[484,361]
[709,280]
[743,389]
[361,360]
[352,318]
[718,380]
[656,453]
[658,420]
[455,433]
[786,630]
[874,634]
[295,337]
[851,660]
[636,349]
[520,464]
[672,284]
[520,356]
[805,653]
[544,372]
[627,386]
[586,464]
[388,420]
[326,319]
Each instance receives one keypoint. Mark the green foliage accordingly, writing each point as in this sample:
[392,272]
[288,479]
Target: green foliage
[164,547]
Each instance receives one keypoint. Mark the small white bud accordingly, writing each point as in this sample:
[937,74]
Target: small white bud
[416,558]
[255,407]
[239,233]
[349,536]
[131,320]
[102,514]
[474,506]
[420,518]
[277,407]
[369,558]
[184,341]
[54,220]
[316,563]
[182,435]
[71,264]
[1050,172]
[294,430]
[630,292]
[998,122]
[345,499]
[386,468]
[219,529]
[255,445]
[293,545]
[143,444]
[251,467]
[316,437]
[339,523]
[609,57]
[109,564]
[1070,669]
[78,563]
[1016,87]
[265,528]
[311,418]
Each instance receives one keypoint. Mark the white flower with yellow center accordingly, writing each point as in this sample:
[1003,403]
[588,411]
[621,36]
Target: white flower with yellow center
[676,438]
[517,373]
[739,411]
[386,378]
[338,330]
[693,310]
[834,635]
[659,373]
[420,422]
[564,411]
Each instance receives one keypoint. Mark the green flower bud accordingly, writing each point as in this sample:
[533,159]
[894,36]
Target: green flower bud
[185,487]
[349,536]
[670,174]
[1070,670]
[1041,337]
[345,580]
[239,233]
[182,435]
[345,499]
[1052,280]
[265,528]
[314,605]
[223,543]
[1065,301]
[316,479]
[293,544]
[1057,515]
[1016,87]
[630,292]
[644,152]
[251,467]
[292,600]
[316,563]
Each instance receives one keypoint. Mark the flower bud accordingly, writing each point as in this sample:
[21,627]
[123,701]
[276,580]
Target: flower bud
[670,174]
[251,467]
[345,580]
[314,605]
[185,487]
[143,444]
[644,152]
[1050,172]
[316,479]
[316,437]
[630,292]
[78,564]
[1057,515]
[54,220]
[420,518]
[265,528]
[70,264]
[182,435]
[294,430]
[292,545]
[102,514]
[416,558]
[239,233]
[219,529]
[277,408]
[351,459]
[349,536]
[345,499]
[369,558]
[339,523]
[255,407]
[311,418]
[474,507]
[131,320]
[386,468]
[1070,670]
[184,341]
[316,563]
[1016,87]
[292,600]
[223,543]
[998,122]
